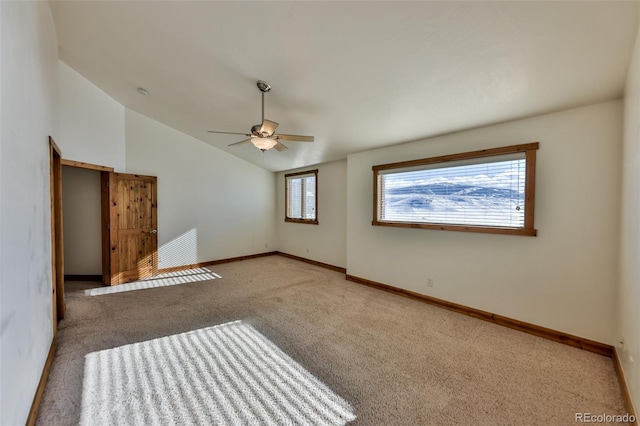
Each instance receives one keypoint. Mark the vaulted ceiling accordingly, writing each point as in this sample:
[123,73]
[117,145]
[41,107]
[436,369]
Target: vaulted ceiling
[356,75]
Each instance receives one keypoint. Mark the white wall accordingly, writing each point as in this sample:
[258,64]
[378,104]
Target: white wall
[325,242]
[81,221]
[91,122]
[211,205]
[629,291]
[564,279]
[28,116]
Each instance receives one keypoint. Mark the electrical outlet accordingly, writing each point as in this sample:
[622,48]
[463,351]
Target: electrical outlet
[266,245]
[307,250]
[429,282]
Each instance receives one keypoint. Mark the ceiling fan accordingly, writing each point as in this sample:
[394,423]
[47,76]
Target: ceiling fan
[263,135]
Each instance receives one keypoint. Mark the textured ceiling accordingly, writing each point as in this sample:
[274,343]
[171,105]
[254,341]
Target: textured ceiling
[356,75]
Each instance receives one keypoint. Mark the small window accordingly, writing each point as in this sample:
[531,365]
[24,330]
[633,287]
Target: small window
[301,200]
[488,191]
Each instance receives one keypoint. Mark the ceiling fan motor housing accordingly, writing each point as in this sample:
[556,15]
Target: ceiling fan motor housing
[255,131]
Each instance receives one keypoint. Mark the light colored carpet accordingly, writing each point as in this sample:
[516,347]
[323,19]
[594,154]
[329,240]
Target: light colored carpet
[225,374]
[162,280]
[393,360]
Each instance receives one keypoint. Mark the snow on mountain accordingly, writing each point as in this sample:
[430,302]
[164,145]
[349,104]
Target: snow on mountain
[451,203]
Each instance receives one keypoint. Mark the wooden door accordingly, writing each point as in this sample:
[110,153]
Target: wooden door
[133,227]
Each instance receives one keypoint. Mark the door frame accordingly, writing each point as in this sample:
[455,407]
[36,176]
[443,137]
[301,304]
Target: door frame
[57,252]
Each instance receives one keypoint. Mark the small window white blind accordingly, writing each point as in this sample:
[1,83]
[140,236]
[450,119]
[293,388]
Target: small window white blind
[488,191]
[301,197]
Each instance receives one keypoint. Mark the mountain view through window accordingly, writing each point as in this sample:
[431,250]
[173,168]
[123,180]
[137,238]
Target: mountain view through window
[485,194]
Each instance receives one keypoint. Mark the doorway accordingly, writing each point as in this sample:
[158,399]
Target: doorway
[117,209]
[82,224]
[86,199]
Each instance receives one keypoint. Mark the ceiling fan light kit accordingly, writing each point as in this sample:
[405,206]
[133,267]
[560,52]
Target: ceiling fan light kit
[263,135]
[264,144]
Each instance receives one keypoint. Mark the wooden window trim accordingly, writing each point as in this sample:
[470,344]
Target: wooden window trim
[286,198]
[307,221]
[530,156]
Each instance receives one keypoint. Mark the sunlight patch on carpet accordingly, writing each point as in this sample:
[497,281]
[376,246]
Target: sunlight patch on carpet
[162,280]
[228,374]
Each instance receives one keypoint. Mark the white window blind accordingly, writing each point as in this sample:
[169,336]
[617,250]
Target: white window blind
[488,191]
[301,197]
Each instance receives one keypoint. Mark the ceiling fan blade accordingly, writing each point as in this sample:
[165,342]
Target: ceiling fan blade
[280,147]
[297,138]
[238,143]
[228,133]
[268,127]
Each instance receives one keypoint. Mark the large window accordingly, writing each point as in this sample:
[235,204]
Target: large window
[301,197]
[489,191]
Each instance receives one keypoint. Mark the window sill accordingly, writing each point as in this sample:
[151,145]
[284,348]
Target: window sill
[460,228]
[307,221]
